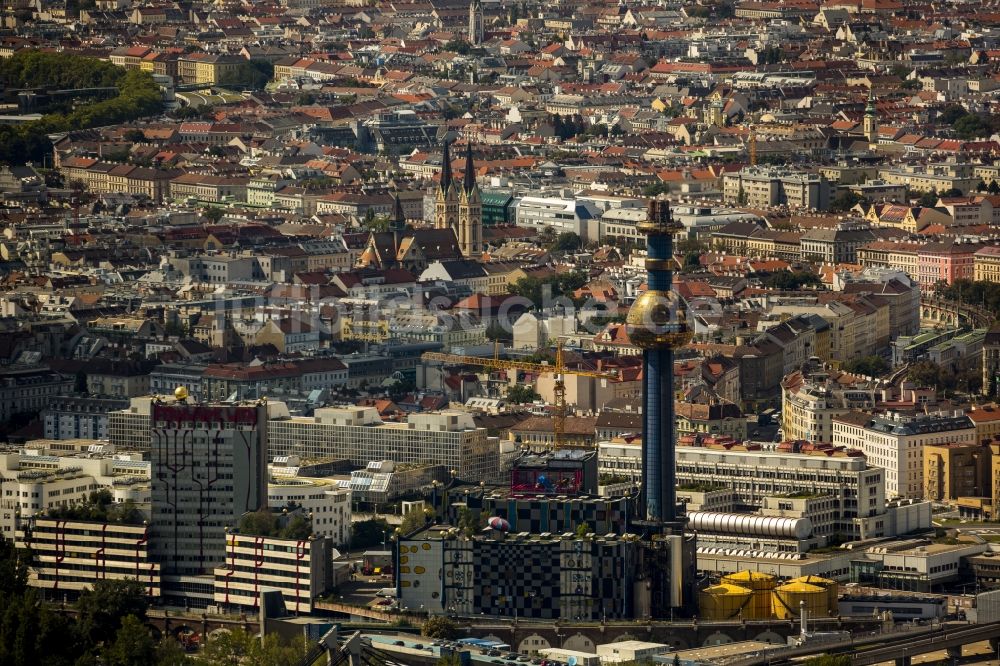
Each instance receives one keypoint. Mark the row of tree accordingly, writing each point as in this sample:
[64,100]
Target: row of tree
[979,293]
[107,627]
[138,96]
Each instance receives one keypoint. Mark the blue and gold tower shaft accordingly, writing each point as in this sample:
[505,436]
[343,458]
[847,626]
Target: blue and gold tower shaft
[657,323]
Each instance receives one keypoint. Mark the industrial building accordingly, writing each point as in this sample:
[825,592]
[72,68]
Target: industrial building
[842,495]
[643,567]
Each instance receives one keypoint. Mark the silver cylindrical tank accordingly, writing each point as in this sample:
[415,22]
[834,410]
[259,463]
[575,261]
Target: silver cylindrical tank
[735,523]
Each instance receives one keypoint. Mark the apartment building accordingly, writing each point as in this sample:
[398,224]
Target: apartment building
[560,214]
[79,417]
[301,569]
[939,177]
[894,441]
[764,187]
[956,470]
[358,434]
[70,556]
[30,389]
[809,403]
[37,478]
[986,264]
[324,500]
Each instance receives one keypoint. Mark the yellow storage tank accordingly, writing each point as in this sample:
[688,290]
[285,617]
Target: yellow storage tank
[762,585]
[723,601]
[787,600]
[832,588]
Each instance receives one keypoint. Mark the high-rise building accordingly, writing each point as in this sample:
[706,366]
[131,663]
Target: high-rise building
[209,467]
[954,470]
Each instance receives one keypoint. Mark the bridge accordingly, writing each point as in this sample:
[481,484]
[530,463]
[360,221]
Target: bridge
[941,312]
[947,637]
[530,636]
[899,646]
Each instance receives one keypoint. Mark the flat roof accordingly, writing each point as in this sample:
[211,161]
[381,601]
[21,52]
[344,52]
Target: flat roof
[721,651]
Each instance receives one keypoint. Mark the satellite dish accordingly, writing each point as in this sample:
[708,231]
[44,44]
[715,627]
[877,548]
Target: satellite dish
[571,661]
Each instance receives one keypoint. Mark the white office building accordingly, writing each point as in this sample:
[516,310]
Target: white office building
[358,434]
[845,495]
[323,500]
[895,441]
[559,214]
[35,479]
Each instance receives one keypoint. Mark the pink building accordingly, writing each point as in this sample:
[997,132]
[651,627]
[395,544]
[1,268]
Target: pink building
[945,262]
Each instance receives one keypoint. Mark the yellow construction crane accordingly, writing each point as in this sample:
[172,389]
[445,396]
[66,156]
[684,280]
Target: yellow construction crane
[558,369]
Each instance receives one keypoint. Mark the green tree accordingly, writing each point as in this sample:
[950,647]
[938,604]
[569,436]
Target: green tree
[439,626]
[952,113]
[567,241]
[470,522]
[213,214]
[134,136]
[170,653]
[655,189]
[520,394]
[367,533]
[458,46]
[829,660]
[102,609]
[582,530]
[414,520]
[844,201]
[13,569]
[228,648]
[498,332]
[871,366]
[133,645]
[993,187]
[928,199]
[790,280]
[925,373]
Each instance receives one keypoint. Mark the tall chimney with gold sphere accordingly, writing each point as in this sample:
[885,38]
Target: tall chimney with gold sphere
[657,323]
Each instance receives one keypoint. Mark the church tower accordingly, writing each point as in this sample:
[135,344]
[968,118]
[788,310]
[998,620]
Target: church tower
[476,23]
[446,203]
[470,210]
[398,226]
[870,125]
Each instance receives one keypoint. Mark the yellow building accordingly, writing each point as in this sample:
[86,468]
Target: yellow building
[986,264]
[987,420]
[956,470]
[365,324]
[207,69]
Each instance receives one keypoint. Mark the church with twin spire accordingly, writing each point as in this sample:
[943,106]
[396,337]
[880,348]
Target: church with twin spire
[457,231]
[459,206]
